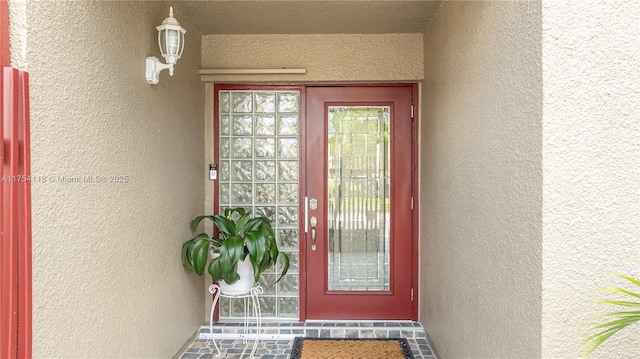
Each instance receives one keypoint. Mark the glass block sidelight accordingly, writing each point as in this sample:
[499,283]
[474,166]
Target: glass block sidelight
[259,161]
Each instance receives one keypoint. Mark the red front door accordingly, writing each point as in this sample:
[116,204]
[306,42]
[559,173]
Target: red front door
[359,223]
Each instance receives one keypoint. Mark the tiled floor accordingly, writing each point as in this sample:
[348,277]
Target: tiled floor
[272,349]
[277,338]
[236,349]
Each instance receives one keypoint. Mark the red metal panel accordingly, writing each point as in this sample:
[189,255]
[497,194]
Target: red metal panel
[15,218]
[6,255]
[8,330]
[24,223]
[15,204]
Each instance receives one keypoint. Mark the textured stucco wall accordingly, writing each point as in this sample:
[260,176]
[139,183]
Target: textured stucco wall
[334,57]
[481,180]
[107,277]
[18,33]
[591,216]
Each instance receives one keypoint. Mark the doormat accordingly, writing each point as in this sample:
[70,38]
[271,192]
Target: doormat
[350,348]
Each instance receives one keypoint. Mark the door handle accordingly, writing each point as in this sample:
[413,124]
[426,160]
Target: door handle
[313,221]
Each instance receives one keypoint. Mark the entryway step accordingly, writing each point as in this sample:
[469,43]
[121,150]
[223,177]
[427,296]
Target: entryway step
[316,329]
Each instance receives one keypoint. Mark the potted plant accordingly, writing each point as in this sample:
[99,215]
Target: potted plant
[616,321]
[242,248]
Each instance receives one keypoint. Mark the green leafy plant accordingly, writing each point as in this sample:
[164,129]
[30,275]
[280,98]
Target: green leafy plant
[617,321]
[236,236]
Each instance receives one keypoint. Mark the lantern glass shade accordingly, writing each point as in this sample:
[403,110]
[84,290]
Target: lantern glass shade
[171,42]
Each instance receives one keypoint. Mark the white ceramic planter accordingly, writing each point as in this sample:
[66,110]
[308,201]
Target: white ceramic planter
[244,284]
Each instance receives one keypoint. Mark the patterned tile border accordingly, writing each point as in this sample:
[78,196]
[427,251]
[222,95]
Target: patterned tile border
[288,330]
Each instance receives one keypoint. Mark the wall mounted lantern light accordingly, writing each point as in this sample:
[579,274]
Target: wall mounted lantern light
[171,43]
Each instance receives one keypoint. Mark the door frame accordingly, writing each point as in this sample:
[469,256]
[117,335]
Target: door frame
[302,275]
[15,205]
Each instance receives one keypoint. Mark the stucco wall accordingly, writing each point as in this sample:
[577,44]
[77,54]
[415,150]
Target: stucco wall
[107,277]
[591,217]
[332,57]
[481,180]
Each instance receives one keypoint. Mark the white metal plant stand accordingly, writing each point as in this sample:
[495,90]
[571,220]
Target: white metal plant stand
[251,294]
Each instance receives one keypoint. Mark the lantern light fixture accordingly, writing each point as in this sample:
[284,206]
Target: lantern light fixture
[171,43]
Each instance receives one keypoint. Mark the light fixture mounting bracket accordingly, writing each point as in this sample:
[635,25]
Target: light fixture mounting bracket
[154,66]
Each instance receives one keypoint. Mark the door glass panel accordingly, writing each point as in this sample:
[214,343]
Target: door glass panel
[259,171]
[358,183]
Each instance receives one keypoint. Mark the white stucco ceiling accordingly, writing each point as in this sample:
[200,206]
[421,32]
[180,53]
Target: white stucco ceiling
[307,16]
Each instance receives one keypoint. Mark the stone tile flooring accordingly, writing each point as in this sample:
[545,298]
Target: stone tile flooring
[277,338]
[272,349]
